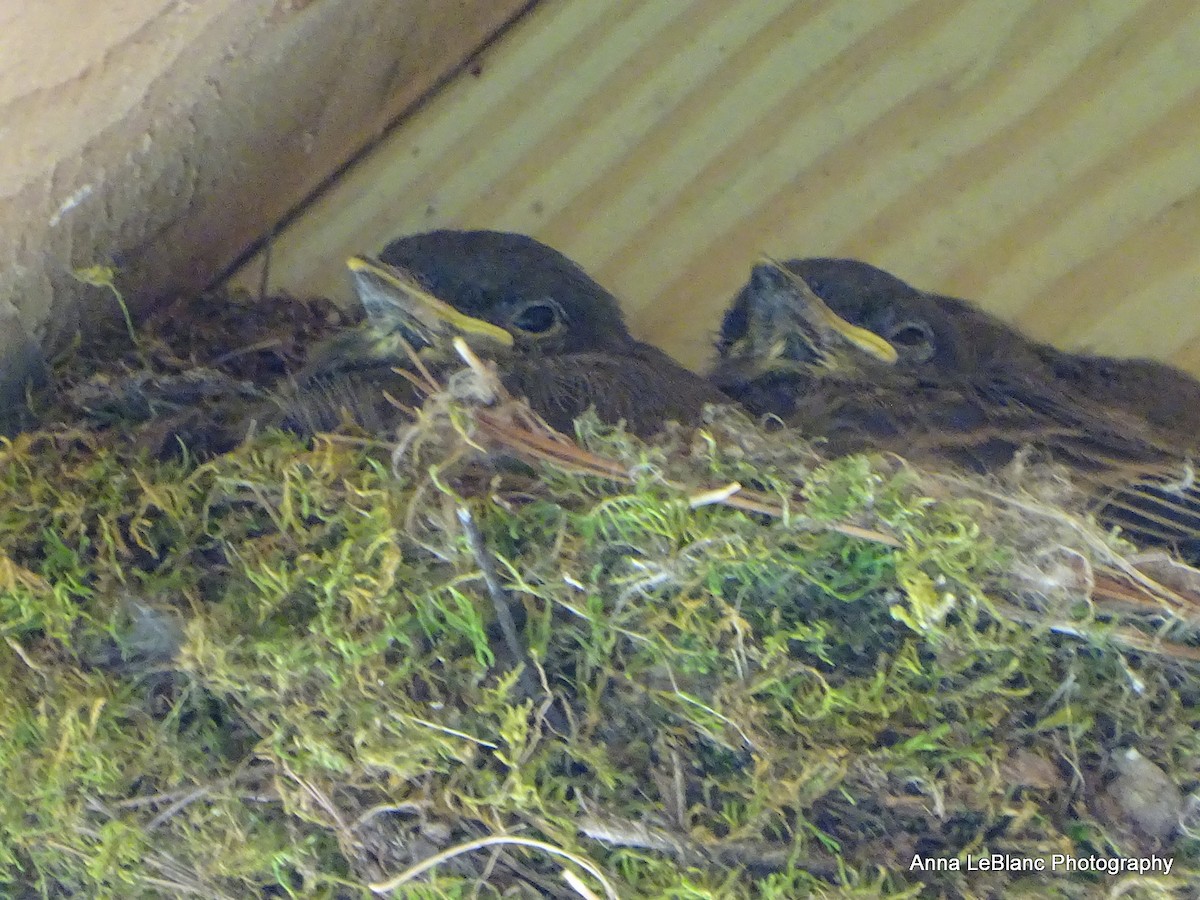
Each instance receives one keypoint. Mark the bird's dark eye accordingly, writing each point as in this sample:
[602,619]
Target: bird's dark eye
[539,317]
[913,340]
[911,334]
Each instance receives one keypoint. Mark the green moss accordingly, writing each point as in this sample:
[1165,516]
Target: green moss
[277,671]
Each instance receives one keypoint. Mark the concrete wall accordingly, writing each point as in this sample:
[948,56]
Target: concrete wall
[162,138]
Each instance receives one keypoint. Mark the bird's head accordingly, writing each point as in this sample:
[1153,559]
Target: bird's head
[933,336]
[498,290]
[401,310]
[779,328]
[918,326]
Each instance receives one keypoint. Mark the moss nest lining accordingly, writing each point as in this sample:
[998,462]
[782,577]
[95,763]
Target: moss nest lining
[740,669]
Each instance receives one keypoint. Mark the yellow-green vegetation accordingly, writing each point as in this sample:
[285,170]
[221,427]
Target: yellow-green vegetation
[276,673]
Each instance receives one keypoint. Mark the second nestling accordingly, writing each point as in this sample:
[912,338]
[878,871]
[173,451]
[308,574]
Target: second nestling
[854,355]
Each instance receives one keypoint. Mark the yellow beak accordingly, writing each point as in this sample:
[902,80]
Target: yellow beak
[411,299]
[863,338]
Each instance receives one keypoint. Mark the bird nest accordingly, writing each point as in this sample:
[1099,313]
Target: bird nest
[486,658]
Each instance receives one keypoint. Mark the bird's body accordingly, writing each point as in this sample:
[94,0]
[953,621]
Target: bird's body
[1150,391]
[372,398]
[557,336]
[962,388]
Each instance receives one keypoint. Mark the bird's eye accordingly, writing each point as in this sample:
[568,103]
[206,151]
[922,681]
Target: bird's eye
[539,317]
[913,340]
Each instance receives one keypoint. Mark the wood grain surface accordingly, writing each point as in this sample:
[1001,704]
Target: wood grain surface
[1040,157]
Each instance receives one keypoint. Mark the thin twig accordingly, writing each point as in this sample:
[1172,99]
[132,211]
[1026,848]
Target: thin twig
[501,600]
[1129,638]
[178,806]
[386,887]
[776,857]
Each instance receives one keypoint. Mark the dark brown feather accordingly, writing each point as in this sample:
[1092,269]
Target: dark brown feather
[642,387]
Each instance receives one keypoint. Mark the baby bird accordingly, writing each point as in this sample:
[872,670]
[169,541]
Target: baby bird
[558,337]
[851,353]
